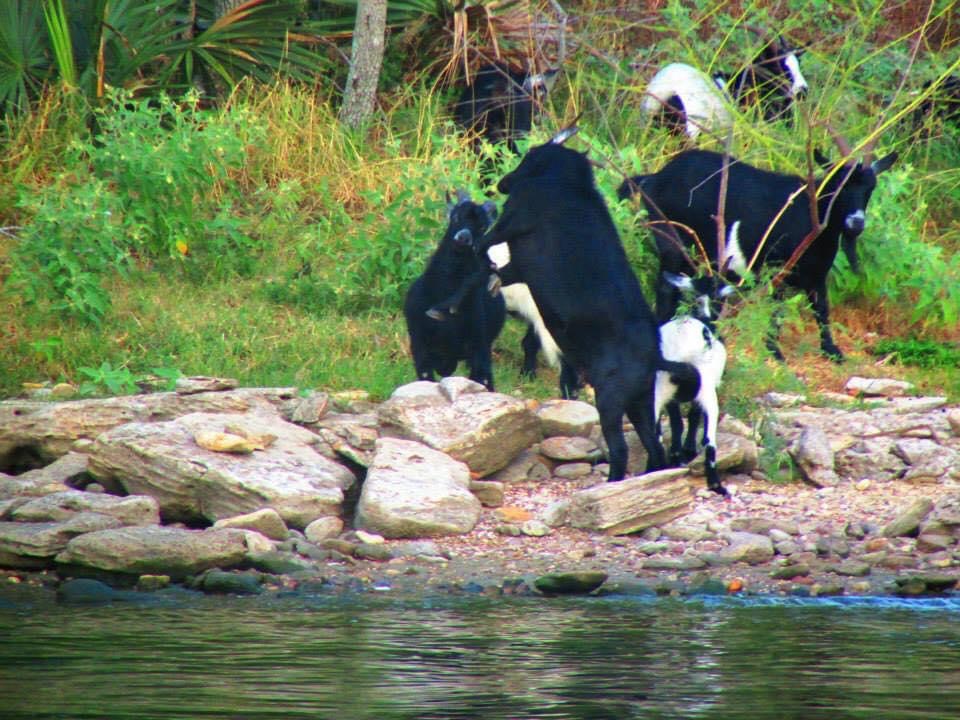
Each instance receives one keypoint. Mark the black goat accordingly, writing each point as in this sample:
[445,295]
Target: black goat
[565,247]
[685,193]
[500,103]
[684,98]
[943,106]
[437,346]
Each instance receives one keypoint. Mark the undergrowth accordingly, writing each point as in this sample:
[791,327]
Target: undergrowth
[261,240]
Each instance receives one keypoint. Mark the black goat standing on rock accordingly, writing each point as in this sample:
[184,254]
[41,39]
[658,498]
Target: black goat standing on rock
[438,346]
[565,247]
[683,197]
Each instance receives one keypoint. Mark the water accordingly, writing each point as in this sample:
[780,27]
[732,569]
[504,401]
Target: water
[372,657]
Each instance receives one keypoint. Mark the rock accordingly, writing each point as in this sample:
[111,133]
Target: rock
[569,583]
[323,528]
[528,466]
[35,544]
[275,562]
[453,387]
[376,552]
[569,418]
[489,492]
[920,584]
[953,419]
[535,528]
[734,453]
[683,562]
[414,491]
[764,525]
[156,550]
[851,568]
[782,400]
[199,384]
[747,547]
[569,449]
[573,471]
[934,542]
[310,408]
[789,572]
[814,456]
[55,477]
[266,521]
[161,459]
[908,521]
[482,429]
[916,451]
[84,591]
[631,504]
[349,435]
[221,582]
[130,510]
[152,583]
[51,429]
[886,387]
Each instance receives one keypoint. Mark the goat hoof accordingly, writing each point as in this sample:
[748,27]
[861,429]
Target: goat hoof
[719,490]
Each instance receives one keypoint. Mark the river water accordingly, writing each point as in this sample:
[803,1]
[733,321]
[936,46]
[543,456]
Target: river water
[368,656]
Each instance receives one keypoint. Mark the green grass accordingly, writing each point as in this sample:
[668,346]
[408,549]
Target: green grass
[289,266]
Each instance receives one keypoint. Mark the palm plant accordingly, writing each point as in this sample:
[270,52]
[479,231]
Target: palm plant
[167,45]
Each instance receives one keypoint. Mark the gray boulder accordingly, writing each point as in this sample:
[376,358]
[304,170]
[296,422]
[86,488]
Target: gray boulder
[130,510]
[482,429]
[35,544]
[169,551]
[413,491]
[814,457]
[191,482]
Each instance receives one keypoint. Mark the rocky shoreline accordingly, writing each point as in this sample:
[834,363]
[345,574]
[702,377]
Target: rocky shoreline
[446,488]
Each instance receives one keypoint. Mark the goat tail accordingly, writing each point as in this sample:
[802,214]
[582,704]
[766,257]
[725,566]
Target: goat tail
[683,375]
[520,301]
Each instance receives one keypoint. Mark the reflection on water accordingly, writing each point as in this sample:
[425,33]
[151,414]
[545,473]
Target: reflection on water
[362,657]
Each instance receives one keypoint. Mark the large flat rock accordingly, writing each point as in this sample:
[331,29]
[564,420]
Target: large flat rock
[414,491]
[163,460]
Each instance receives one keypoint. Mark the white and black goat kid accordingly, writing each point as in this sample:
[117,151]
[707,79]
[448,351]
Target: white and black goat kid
[692,339]
[686,99]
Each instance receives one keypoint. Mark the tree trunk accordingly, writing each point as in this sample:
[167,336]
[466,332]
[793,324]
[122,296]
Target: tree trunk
[365,61]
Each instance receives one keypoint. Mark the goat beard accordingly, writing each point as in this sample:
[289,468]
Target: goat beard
[849,245]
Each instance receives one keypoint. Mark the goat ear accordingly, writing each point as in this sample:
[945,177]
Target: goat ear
[561,137]
[884,163]
[678,281]
[490,207]
[451,204]
[821,159]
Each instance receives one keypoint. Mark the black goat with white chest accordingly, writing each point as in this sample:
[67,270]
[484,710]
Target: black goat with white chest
[683,197]
[565,247]
[438,346]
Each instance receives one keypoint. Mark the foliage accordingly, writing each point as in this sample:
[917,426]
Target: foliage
[918,352]
[161,46]
[151,185]
[305,236]
[898,264]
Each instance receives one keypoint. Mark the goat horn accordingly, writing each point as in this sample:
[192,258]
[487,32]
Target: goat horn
[840,141]
[462,195]
[761,32]
[868,151]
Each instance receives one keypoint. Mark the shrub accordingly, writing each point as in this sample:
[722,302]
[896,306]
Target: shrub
[152,183]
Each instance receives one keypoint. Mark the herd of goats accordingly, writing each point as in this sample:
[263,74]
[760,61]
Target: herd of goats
[554,257]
